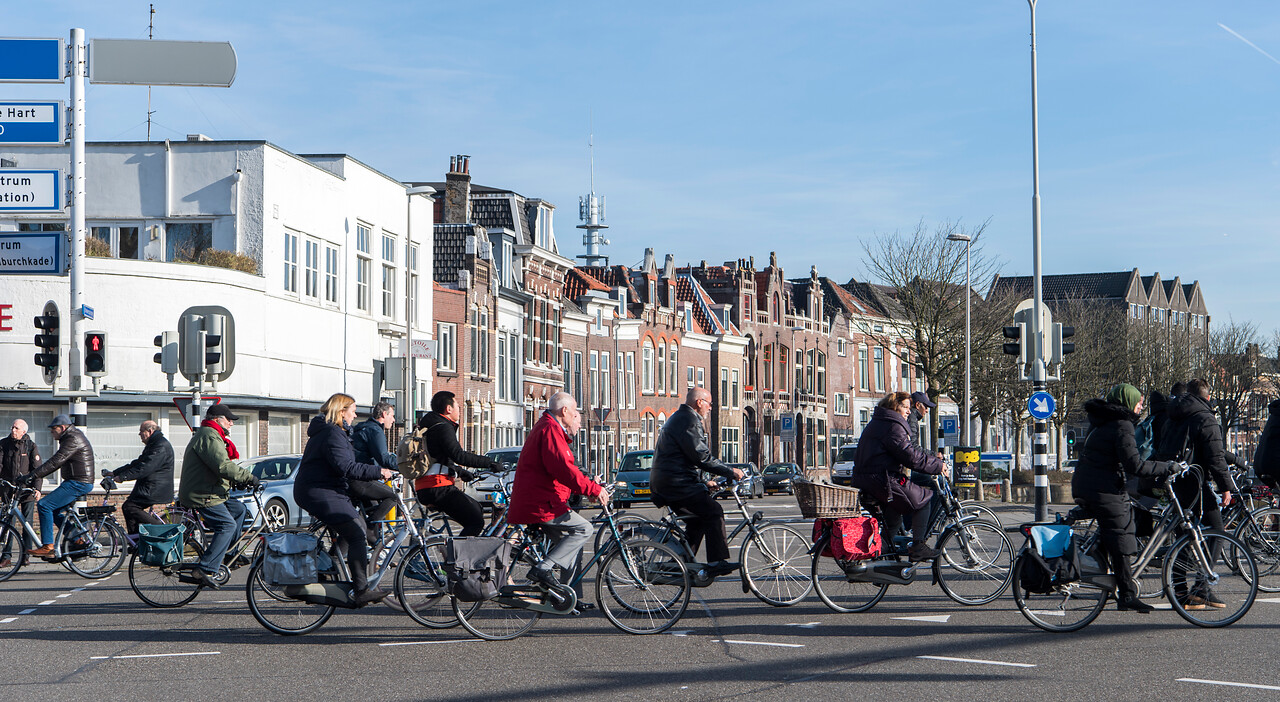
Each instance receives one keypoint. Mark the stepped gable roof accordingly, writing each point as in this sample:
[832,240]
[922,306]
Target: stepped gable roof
[577,283]
[1088,285]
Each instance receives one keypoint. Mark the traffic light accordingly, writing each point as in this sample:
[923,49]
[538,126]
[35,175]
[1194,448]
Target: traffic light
[95,354]
[191,346]
[1069,346]
[1018,348]
[168,356]
[215,356]
[49,342]
[1071,442]
[1059,348]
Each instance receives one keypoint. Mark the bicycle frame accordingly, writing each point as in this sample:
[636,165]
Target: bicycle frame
[69,514]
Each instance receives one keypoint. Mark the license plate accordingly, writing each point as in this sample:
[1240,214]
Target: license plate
[641,491]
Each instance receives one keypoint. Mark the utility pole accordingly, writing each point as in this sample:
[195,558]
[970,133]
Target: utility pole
[1039,380]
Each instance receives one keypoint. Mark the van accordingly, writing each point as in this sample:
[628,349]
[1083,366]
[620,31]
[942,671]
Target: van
[842,468]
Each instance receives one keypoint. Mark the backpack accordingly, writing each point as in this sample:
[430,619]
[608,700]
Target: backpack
[1050,561]
[476,567]
[412,459]
[1144,434]
[852,538]
[1174,442]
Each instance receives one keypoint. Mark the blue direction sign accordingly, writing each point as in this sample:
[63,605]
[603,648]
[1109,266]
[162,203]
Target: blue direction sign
[1041,405]
[28,122]
[31,60]
[30,191]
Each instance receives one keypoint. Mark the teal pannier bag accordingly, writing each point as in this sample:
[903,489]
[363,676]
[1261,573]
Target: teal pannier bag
[160,545]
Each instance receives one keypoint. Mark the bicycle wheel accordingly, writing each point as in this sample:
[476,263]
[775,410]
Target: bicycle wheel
[974,562]
[10,551]
[834,589]
[1262,536]
[422,587]
[96,551]
[1216,595]
[774,564]
[159,586]
[279,613]
[1069,607]
[973,508]
[493,620]
[626,521]
[647,587]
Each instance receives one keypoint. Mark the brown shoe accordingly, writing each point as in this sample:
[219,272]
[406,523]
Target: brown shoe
[42,552]
[5,562]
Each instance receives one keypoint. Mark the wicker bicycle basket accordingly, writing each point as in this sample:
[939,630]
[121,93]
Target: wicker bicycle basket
[824,501]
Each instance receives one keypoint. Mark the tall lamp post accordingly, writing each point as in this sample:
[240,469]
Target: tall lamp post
[409,265]
[968,345]
[1039,378]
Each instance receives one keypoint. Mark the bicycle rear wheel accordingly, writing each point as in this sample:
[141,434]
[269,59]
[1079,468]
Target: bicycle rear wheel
[973,566]
[495,621]
[10,550]
[834,589]
[1262,536]
[973,508]
[627,523]
[647,585]
[95,552]
[775,565]
[1216,595]
[279,613]
[422,586]
[1068,608]
[159,586]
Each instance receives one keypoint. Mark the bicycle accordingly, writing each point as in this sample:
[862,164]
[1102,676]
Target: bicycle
[1190,568]
[973,565]
[650,571]
[87,540]
[1258,528]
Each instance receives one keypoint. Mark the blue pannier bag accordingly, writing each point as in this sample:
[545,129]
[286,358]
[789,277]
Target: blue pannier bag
[160,545]
[291,558]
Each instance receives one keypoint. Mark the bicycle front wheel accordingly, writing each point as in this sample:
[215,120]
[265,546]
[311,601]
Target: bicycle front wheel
[973,508]
[279,613]
[159,586]
[1262,536]
[10,551]
[832,584]
[775,565]
[643,587]
[95,552]
[974,563]
[493,620]
[1068,607]
[1214,593]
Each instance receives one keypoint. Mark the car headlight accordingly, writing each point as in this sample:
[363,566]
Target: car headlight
[620,485]
[784,481]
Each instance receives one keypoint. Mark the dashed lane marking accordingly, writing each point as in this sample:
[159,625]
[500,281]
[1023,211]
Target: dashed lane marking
[156,655]
[67,594]
[758,643]
[681,632]
[46,602]
[806,625]
[1229,684]
[27,611]
[423,643]
[977,660]
[10,619]
[935,618]
[1272,600]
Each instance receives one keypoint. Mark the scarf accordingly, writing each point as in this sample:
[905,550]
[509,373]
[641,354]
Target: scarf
[232,453]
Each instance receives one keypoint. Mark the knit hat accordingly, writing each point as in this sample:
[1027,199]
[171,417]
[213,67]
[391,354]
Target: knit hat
[1124,394]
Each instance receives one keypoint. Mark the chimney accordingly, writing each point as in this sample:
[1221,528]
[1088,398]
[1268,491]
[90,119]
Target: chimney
[649,265]
[457,191]
[669,267]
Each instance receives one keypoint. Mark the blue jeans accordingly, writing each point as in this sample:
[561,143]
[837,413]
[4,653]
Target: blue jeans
[62,497]
[227,521]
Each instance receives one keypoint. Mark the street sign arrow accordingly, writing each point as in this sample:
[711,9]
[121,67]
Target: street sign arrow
[31,122]
[153,62]
[1041,405]
[25,60]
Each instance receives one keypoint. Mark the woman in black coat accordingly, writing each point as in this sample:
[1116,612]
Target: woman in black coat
[1108,456]
[328,462]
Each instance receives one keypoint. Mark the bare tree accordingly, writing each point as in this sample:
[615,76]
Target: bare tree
[1233,369]
[994,376]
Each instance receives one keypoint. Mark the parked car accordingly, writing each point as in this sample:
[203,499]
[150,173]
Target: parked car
[482,489]
[753,483]
[777,477]
[277,474]
[631,483]
[842,469]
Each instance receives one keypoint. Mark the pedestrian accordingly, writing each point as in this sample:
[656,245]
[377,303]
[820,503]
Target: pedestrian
[437,488]
[1266,460]
[152,472]
[209,469]
[321,487]
[74,458]
[369,441]
[19,455]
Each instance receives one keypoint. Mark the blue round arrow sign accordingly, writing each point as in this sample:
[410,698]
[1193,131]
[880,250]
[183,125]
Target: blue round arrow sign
[1041,405]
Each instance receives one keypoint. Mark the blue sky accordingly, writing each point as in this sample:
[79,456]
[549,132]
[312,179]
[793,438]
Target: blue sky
[727,130]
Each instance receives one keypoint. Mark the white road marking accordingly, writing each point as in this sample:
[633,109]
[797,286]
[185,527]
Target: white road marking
[807,625]
[1272,600]
[46,602]
[10,619]
[977,660]
[27,611]
[1048,612]
[79,589]
[1229,684]
[96,582]
[935,618]
[423,643]
[757,643]
[1162,605]
[681,632]
[157,655]
[63,595]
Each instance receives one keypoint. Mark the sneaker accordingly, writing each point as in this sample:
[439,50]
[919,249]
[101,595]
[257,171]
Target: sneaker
[543,576]
[1133,604]
[1191,603]
[922,552]
[370,596]
[199,577]
[1205,597]
[722,568]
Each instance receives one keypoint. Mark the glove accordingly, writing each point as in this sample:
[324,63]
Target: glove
[24,480]
[495,467]
[253,483]
[108,484]
[106,473]
[463,474]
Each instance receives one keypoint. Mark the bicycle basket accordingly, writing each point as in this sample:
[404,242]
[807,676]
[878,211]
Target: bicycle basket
[823,501]
[290,558]
[160,545]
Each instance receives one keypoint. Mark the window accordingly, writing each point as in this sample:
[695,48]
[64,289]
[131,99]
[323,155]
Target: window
[447,342]
[568,370]
[484,341]
[810,369]
[822,375]
[768,367]
[646,367]
[777,309]
[605,380]
[688,371]
[311,278]
[878,357]
[577,377]
[782,368]
[631,379]
[364,267]
[841,404]
[733,390]
[841,345]
[41,227]
[729,444]
[290,262]
[186,241]
[862,368]
[702,377]
[594,366]
[413,284]
[864,416]
[622,383]
[906,375]
[799,366]
[388,275]
[662,369]
[513,367]
[330,274]
[672,361]
[115,241]
[502,365]
[724,388]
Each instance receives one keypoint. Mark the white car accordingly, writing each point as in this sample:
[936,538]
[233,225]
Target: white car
[842,469]
[484,487]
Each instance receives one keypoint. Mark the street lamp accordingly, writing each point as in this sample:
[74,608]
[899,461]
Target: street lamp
[968,346]
[409,320]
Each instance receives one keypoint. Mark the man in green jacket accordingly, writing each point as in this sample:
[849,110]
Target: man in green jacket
[208,471]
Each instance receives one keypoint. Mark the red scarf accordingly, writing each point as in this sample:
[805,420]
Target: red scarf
[232,453]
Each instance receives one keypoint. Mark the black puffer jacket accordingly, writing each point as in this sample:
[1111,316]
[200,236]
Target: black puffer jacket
[153,470]
[19,458]
[885,450]
[1267,459]
[1190,416]
[328,463]
[74,458]
[680,452]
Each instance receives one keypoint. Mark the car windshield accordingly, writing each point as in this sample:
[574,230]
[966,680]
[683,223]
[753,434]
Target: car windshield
[274,469]
[846,453]
[508,459]
[636,461]
[629,476]
[777,468]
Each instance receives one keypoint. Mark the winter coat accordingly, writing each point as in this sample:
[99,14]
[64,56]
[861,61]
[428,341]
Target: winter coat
[369,440]
[546,475]
[19,458]
[1108,455]
[1159,411]
[1266,461]
[444,449]
[328,462]
[153,471]
[885,450]
[1190,416]
[679,453]
[207,471]
[74,458]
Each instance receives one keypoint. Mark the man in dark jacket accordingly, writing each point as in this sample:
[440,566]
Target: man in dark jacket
[369,440]
[74,458]
[884,450]
[1266,461]
[153,473]
[19,456]
[679,453]
[436,488]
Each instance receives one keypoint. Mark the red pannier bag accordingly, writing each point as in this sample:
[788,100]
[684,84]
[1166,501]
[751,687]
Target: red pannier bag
[852,538]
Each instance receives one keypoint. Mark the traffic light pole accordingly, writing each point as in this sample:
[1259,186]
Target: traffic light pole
[75,379]
[1039,378]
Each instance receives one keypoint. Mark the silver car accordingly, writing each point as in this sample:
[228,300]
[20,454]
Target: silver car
[484,487]
[277,474]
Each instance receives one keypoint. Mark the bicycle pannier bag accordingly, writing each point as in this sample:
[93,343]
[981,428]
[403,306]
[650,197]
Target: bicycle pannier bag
[477,567]
[1052,560]
[412,459]
[290,558]
[852,538]
[160,545]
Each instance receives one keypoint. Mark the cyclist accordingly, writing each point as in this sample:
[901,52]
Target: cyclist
[1108,455]
[74,458]
[546,476]
[884,450]
[680,452]
[369,441]
[437,487]
[19,455]
[1266,461]
[153,471]
[208,471]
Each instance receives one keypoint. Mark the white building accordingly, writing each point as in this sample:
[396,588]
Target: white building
[324,237]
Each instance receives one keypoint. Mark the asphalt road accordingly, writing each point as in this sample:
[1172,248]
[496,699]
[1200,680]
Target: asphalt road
[66,638]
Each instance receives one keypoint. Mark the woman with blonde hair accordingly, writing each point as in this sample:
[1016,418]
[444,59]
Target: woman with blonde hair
[328,463]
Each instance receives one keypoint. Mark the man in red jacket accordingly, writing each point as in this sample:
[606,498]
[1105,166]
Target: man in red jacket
[545,478]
